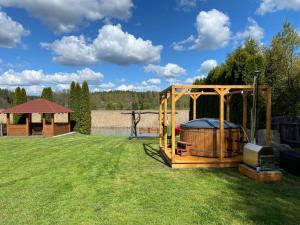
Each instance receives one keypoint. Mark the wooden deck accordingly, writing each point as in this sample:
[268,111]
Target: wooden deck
[199,162]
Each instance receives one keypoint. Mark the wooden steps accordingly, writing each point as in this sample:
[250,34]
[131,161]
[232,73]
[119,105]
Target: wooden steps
[262,176]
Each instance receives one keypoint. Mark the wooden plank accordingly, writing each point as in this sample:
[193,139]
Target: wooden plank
[173,123]
[262,176]
[165,123]
[160,120]
[177,96]
[204,165]
[194,107]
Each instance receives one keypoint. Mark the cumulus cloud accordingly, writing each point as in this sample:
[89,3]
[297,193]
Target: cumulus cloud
[138,87]
[207,66]
[35,78]
[102,87]
[253,30]
[268,6]
[11,32]
[152,81]
[213,32]
[169,70]
[112,45]
[72,50]
[67,15]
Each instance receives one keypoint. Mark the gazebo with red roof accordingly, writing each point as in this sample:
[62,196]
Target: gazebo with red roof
[43,107]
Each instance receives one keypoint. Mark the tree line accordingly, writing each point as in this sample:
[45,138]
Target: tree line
[278,66]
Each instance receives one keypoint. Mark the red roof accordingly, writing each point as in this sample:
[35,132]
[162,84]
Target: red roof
[38,106]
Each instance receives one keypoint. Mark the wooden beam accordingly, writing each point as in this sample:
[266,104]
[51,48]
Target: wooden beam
[245,105]
[201,93]
[27,124]
[222,146]
[173,123]
[165,124]
[52,123]
[178,95]
[160,120]
[194,108]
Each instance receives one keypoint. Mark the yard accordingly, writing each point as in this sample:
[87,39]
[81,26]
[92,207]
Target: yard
[111,180]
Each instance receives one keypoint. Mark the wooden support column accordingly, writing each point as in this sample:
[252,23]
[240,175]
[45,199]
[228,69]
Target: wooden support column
[173,123]
[194,107]
[160,120]
[52,124]
[245,105]
[69,122]
[7,123]
[268,103]
[27,124]
[222,92]
[166,122]
[44,124]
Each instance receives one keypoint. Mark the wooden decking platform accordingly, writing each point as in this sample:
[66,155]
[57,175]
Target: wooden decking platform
[200,162]
[262,176]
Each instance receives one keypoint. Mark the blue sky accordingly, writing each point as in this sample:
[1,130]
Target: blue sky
[128,44]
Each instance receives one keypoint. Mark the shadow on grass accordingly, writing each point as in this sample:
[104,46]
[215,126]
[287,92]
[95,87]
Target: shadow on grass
[154,152]
[261,203]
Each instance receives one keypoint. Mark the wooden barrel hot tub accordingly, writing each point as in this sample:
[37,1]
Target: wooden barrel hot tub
[204,136]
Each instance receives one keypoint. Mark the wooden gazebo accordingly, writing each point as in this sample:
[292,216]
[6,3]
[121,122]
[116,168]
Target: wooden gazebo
[40,106]
[173,93]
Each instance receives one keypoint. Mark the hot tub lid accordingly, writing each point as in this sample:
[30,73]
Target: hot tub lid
[208,123]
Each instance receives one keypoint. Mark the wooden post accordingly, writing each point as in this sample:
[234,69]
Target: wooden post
[173,123]
[44,124]
[268,103]
[27,124]
[52,124]
[228,102]
[194,107]
[165,121]
[222,147]
[160,120]
[69,122]
[245,105]
[7,123]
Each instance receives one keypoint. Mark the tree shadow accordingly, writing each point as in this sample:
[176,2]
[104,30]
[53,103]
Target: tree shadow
[154,152]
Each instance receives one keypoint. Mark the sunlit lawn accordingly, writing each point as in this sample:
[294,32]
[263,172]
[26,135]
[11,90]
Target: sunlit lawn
[111,180]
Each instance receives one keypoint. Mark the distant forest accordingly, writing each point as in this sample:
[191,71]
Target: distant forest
[112,100]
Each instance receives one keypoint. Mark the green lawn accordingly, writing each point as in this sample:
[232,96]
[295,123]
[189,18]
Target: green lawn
[111,180]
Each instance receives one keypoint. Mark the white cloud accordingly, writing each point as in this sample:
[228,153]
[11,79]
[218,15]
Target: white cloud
[267,6]
[138,87]
[191,80]
[172,81]
[112,45]
[207,66]
[169,70]
[213,28]
[152,81]
[11,31]
[102,87]
[186,5]
[72,50]
[67,15]
[37,78]
[253,30]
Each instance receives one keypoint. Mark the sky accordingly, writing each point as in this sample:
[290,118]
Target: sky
[138,45]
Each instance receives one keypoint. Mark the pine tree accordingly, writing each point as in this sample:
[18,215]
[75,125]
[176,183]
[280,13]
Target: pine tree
[75,100]
[85,110]
[19,98]
[47,93]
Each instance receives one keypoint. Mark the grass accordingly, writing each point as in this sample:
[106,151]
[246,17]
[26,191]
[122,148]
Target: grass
[111,180]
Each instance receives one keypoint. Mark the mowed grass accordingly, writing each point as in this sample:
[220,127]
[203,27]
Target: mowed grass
[110,180]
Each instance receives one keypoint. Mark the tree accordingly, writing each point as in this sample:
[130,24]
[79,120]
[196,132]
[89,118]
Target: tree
[85,110]
[74,104]
[20,97]
[47,93]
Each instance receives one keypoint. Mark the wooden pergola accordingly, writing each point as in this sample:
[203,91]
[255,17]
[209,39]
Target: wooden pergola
[39,106]
[173,93]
